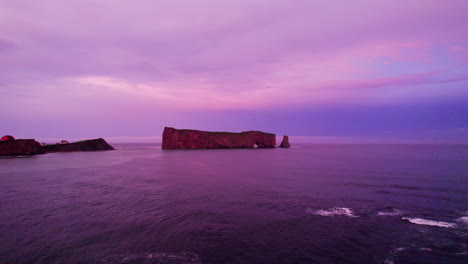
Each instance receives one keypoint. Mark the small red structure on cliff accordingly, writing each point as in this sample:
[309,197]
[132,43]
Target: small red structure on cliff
[7,138]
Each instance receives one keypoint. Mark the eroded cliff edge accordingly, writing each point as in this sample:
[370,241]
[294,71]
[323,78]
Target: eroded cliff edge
[85,145]
[197,139]
[20,147]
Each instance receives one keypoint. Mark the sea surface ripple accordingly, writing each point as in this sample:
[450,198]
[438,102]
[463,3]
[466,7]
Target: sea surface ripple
[313,203]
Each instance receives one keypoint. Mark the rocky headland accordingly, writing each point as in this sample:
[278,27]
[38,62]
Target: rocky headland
[85,145]
[28,147]
[197,139]
[20,147]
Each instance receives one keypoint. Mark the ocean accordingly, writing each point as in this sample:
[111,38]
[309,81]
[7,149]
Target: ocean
[313,203]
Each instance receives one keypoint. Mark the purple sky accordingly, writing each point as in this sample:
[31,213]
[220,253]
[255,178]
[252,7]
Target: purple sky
[351,69]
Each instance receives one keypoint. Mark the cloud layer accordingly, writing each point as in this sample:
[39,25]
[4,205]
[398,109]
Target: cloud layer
[75,58]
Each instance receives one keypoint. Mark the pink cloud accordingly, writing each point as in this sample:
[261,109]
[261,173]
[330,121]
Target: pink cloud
[229,54]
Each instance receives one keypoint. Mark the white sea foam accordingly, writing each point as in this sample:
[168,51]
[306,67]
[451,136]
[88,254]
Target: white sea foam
[399,249]
[420,221]
[158,257]
[390,213]
[463,219]
[425,249]
[333,211]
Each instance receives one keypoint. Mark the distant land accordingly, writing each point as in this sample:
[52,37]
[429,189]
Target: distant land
[29,147]
[197,139]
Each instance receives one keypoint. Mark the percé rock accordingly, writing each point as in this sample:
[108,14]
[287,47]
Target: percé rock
[285,142]
[85,145]
[20,147]
[196,139]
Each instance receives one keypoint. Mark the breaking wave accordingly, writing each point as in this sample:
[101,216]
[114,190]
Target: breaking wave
[420,221]
[333,211]
[390,213]
[154,258]
[463,219]
[425,249]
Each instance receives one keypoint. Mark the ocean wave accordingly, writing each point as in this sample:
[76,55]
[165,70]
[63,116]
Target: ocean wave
[333,211]
[420,221]
[404,187]
[425,249]
[394,212]
[154,257]
[399,249]
[463,219]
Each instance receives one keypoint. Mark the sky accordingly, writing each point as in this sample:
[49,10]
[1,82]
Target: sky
[326,69]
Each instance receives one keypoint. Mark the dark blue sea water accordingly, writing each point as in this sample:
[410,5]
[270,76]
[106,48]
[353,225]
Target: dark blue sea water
[314,203]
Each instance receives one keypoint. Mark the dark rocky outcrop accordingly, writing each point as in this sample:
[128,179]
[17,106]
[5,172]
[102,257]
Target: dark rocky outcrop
[285,142]
[85,145]
[20,147]
[196,139]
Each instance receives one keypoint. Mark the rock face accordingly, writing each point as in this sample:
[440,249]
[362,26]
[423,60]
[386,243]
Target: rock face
[196,139]
[85,145]
[285,142]
[20,147]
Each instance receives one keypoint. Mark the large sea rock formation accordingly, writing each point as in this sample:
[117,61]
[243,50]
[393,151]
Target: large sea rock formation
[196,139]
[20,147]
[85,145]
[285,142]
